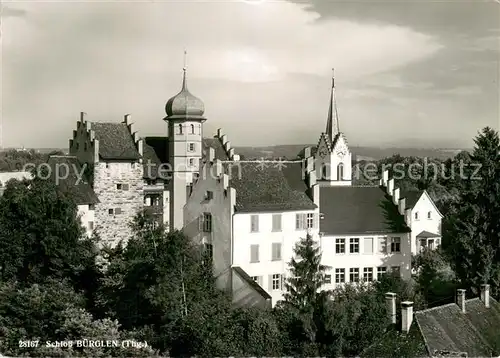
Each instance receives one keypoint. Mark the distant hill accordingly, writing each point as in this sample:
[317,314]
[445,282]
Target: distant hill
[290,151]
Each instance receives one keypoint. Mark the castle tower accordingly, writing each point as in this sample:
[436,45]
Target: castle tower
[185,128]
[333,157]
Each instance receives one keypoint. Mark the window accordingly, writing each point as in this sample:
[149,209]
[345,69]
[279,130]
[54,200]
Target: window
[110,211]
[328,279]
[354,246]
[431,244]
[423,244]
[257,279]
[382,245]
[340,171]
[207,222]
[323,172]
[429,215]
[381,271]
[209,195]
[85,146]
[416,215]
[395,244]
[107,165]
[254,253]
[208,252]
[77,146]
[339,275]
[340,246]
[122,186]
[354,274]
[276,222]
[91,206]
[276,251]
[118,186]
[254,223]
[310,220]
[396,270]
[192,128]
[191,147]
[91,225]
[118,211]
[191,162]
[276,282]
[179,128]
[304,221]
[368,245]
[368,274]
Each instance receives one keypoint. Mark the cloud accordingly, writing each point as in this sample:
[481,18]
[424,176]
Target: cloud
[112,58]
[11,12]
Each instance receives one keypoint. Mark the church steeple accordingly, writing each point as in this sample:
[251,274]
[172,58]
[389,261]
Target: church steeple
[332,122]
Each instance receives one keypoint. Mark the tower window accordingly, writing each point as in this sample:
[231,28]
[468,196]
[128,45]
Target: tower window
[191,162]
[323,172]
[340,171]
[192,128]
[180,129]
[191,147]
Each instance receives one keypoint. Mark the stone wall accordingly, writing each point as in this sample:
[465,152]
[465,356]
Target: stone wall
[115,227]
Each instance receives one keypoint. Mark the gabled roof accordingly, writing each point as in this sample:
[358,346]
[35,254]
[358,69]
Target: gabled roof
[268,186]
[115,141]
[427,235]
[245,277]
[446,328]
[411,196]
[358,210]
[68,180]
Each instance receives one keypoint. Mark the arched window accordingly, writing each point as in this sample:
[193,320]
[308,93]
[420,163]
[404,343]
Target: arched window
[323,172]
[180,128]
[340,171]
[192,128]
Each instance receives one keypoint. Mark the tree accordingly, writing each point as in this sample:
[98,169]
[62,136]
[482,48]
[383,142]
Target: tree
[435,278]
[472,233]
[41,236]
[302,296]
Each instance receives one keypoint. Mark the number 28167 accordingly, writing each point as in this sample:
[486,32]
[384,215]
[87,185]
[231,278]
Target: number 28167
[28,344]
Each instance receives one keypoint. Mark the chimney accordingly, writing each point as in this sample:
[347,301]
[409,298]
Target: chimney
[395,196]
[390,300]
[385,177]
[461,299]
[406,316]
[485,295]
[390,187]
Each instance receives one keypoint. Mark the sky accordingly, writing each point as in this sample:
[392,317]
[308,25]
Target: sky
[408,73]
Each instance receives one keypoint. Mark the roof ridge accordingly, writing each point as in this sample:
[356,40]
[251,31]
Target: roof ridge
[436,308]
[62,156]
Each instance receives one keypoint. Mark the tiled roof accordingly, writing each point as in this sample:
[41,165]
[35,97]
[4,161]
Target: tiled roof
[358,210]
[245,277]
[411,196]
[394,343]
[68,179]
[446,328]
[268,186]
[115,141]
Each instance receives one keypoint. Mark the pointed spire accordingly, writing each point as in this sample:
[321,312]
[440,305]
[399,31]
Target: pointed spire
[184,69]
[332,122]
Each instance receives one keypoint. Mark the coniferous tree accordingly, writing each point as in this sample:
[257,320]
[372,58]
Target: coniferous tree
[473,226]
[302,291]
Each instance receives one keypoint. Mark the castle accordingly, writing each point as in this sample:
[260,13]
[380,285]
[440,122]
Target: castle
[248,215]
